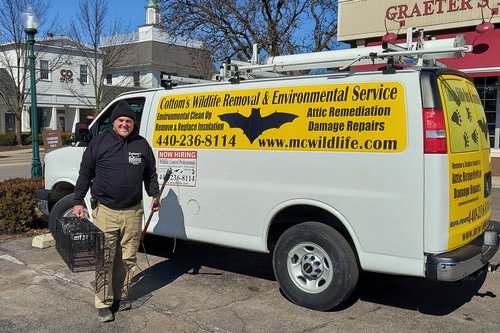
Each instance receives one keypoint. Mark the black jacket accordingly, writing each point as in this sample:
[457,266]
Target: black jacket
[115,169]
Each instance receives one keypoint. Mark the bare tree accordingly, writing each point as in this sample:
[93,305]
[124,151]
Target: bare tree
[88,29]
[229,28]
[14,73]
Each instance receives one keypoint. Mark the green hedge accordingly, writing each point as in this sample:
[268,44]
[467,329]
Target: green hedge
[9,139]
[17,206]
[66,138]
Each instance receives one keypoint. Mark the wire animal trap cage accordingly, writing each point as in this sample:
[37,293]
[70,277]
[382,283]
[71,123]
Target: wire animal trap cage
[80,243]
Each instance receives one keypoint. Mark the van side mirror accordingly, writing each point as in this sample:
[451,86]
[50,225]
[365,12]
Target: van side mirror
[82,132]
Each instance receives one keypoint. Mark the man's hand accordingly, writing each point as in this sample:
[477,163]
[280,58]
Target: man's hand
[79,211]
[155,205]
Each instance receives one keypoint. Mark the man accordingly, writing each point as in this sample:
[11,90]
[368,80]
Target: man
[114,165]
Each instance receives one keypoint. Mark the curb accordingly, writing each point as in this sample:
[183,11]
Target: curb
[19,151]
[15,152]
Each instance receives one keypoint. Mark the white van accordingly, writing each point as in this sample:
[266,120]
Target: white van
[379,170]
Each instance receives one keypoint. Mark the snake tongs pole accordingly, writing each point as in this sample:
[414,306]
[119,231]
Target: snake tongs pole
[165,180]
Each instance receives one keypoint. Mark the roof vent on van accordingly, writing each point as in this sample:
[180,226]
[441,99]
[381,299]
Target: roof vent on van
[434,131]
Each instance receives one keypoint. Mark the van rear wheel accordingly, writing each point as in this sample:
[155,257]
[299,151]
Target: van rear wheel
[315,266]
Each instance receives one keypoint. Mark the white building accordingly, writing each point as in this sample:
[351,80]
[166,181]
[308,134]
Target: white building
[65,94]
[151,53]
[60,71]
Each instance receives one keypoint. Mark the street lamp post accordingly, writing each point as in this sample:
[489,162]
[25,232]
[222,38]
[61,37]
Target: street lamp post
[31,23]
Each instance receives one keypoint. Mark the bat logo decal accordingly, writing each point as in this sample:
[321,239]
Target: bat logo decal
[255,124]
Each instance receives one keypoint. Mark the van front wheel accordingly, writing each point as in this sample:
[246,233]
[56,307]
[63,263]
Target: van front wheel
[62,208]
[315,266]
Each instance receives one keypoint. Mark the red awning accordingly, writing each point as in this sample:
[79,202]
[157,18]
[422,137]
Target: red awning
[484,60]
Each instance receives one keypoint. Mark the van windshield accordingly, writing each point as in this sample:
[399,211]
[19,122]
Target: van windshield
[137,104]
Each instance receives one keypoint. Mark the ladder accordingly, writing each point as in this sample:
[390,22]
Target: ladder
[420,53]
[169,81]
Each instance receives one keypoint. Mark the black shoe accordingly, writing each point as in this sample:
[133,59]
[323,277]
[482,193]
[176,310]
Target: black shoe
[105,315]
[122,305]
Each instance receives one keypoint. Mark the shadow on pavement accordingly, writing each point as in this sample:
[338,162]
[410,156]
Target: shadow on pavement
[418,294]
[182,257]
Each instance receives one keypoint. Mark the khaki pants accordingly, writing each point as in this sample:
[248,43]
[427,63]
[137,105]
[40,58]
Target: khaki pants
[122,230]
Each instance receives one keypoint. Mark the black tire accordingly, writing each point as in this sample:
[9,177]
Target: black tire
[315,266]
[62,208]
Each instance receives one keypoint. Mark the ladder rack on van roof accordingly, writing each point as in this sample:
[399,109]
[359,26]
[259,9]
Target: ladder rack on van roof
[420,53]
[169,81]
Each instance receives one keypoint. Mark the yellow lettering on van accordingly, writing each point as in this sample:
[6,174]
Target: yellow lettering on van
[362,117]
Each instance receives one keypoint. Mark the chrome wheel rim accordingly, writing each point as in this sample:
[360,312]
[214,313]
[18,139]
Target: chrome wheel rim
[310,267]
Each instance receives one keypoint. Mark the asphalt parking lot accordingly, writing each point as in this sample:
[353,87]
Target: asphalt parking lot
[203,288]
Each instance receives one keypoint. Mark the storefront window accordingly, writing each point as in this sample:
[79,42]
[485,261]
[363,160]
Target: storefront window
[487,88]
[61,120]
[40,119]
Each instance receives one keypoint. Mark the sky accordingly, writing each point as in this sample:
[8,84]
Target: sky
[132,11]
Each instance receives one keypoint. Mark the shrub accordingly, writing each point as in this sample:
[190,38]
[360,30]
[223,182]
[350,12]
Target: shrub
[26,138]
[17,205]
[66,138]
[7,139]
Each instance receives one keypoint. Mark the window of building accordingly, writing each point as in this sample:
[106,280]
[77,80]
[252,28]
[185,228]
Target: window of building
[84,78]
[38,117]
[487,88]
[109,79]
[44,69]
[137,79]
[46,115]
[10,122]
